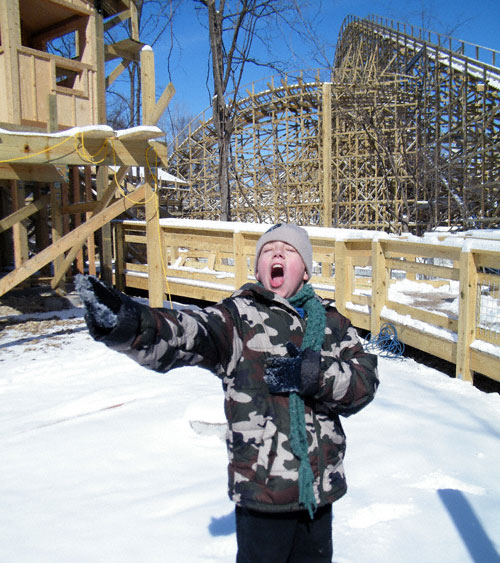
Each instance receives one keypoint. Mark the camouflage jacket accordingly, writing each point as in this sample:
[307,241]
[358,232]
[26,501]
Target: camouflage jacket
[233,339]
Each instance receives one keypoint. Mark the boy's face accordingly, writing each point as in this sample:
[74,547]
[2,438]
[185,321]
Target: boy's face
[280,269]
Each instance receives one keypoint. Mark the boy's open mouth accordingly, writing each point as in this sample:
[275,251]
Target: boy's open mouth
[277,275]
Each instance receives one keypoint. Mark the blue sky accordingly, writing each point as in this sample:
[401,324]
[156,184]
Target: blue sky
[473,21]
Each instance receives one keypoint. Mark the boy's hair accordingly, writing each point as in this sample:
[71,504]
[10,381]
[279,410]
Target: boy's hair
[291,234]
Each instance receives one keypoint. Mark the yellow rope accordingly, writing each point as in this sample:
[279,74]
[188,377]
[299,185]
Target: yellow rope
[84,153]
[37,153]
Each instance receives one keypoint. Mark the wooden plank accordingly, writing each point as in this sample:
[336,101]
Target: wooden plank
[115,73]
[165,98]
[124,49]
[31,172]
[430,343]
[24,213]
[326,132]
[117,19]
[57,248]
[82,207]
[430,270]
[424,316]
[487,364]
[421,249]
[487,259]
[120,257]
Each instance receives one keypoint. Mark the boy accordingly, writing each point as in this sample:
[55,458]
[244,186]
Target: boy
[290,364]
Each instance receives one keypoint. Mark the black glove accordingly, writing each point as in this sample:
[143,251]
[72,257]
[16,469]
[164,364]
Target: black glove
[101,302]
[299,373]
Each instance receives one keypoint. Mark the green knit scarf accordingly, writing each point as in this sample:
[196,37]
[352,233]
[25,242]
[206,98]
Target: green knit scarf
[313,338]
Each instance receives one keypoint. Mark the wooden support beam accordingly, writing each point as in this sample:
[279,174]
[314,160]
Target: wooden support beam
[327,153]
[19,231]
[101,203]
[52,121]
[23,213]
[10,32]
[106,252]
[90,238]
[98,33]
[116,20]
[57,227]
[467,316]
[61,245]
[97,146]
[77,219]
[31,172]
[162,104]
[124,49]
[115,73]
[155,253]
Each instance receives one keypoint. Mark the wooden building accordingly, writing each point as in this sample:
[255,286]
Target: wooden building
[53,137]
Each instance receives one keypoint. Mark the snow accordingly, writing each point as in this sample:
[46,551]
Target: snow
[103,460]
[65,133]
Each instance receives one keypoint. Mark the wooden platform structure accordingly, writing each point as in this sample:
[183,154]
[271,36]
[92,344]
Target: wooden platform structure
[58,193]
[360,270]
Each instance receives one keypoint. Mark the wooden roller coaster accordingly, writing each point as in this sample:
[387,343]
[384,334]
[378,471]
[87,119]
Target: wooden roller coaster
[402,137]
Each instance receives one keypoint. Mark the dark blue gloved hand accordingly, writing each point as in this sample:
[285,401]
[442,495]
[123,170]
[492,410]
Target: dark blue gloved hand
[101,302]
[299,372]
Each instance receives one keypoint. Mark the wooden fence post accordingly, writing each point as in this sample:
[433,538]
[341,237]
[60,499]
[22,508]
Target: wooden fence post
[343,276]
[467,314]
[156,282]
[119,256]
[240,260]
[380,279]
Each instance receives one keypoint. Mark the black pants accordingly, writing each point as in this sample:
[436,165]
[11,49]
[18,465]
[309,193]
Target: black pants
[284,537]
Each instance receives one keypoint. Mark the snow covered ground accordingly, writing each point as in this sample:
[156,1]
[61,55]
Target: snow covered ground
[102,460]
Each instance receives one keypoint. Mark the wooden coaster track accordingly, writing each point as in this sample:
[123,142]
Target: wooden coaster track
[412,120]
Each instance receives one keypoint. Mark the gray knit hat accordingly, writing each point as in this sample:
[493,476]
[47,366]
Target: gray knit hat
[291,234]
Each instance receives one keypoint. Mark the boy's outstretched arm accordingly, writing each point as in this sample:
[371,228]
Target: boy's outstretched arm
[155,338]
[106,308]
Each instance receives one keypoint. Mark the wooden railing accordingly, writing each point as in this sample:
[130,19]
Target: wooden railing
[442,296]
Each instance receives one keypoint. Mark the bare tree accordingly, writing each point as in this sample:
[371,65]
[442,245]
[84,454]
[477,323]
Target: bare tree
[234,26]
